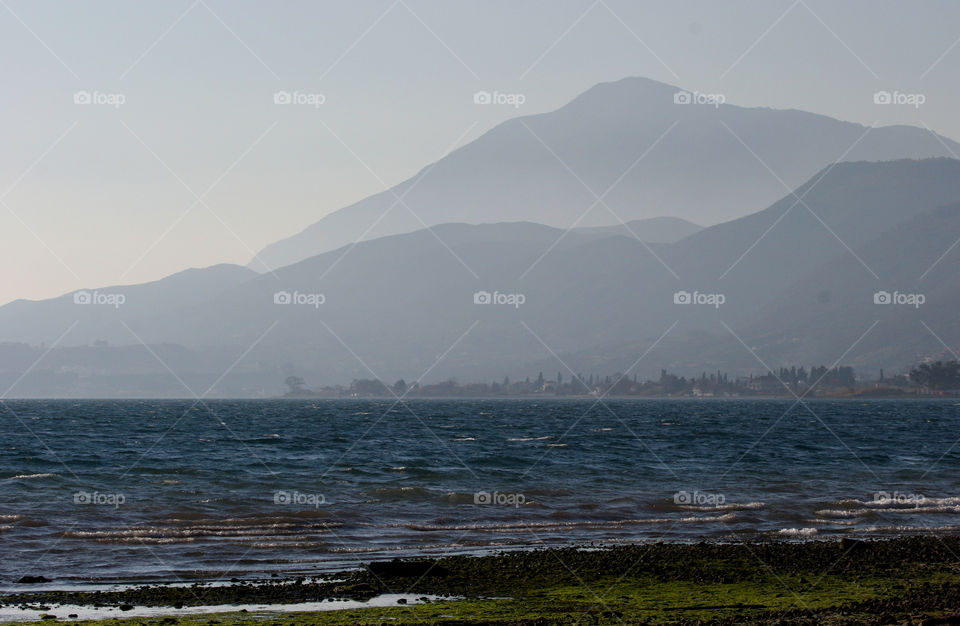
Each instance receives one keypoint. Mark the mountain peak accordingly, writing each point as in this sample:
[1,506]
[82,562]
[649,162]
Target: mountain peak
[631,143]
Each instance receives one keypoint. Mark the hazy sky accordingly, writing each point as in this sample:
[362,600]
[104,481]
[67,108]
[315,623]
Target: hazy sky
[107,193]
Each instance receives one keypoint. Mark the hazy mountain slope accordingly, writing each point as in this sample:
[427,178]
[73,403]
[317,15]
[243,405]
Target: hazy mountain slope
[754,258]
[404,305]
[45,321]
[678,160]
[834,305]
[652,230]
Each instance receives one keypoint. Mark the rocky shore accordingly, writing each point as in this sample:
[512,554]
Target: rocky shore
[911,580]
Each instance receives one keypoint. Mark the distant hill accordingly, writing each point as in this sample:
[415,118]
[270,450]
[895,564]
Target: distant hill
[44,321]
[687,161]
[653,230]
[798,282]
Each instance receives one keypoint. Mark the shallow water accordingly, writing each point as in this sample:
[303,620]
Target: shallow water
[254,611]
[104,491]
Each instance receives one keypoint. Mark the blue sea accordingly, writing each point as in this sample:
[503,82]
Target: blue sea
[100,492]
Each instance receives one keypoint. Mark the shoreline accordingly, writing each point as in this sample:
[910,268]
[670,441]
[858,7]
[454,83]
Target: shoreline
[906,579]
[544,396]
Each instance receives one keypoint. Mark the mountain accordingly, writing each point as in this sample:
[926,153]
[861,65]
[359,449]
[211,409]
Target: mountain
[919,257]
[96,315]
[652,230]
[478,302]
[628,142]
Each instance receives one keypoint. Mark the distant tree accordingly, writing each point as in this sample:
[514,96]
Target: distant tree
[938,376]
[295,383]
[369,387]
[400,387]
[845,376]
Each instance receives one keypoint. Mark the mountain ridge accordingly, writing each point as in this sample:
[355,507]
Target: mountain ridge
[693,165]
[405,304]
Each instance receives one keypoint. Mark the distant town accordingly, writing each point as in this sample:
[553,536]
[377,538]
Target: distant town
[929,379]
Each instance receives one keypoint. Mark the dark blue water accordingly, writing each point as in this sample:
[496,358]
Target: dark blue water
[166,490]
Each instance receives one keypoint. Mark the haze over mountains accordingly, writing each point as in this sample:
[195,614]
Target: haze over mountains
[628,142]
[516,294]
[803,292]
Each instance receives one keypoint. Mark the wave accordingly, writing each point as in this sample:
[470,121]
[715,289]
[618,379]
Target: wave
[907,529]
[841,513]
[402,493]
[32,476]
[909,510]
[797,532]
[525,526]
[184,533]
[733,506]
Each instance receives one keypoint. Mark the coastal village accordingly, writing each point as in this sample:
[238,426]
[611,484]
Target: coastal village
[928,380]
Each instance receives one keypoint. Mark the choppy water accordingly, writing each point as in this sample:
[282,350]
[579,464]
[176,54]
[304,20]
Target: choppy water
[165,490]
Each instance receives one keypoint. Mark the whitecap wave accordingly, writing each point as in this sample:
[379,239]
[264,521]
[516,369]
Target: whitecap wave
[797,532]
